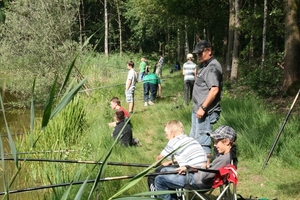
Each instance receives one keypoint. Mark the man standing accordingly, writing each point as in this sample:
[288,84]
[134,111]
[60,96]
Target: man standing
[151,85]
[206,95]
[189,72]
[130,85]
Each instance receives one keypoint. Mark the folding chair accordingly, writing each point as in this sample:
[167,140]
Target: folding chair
[225,179]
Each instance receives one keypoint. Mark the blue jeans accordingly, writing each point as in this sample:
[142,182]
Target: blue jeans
[152,89]
[141,75]
[171,181]
[202,126]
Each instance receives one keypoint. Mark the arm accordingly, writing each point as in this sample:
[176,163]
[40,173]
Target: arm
[209,99]
[128,84]
[167,163]
[159,90]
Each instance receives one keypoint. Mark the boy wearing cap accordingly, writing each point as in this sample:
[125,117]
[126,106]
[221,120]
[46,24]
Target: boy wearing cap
[189,73]
[206,95]
[224,138]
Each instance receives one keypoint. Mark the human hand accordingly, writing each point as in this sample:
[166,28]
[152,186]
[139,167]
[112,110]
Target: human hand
[181,170]
[200,113]
[166,163]
[112,124]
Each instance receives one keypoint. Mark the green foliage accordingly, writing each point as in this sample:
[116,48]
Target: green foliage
[36,42]
[255,124]
[266,80]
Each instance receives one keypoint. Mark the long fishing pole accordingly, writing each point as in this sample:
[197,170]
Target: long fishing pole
[42,152]
[79,161]
[91,181]
[281,129]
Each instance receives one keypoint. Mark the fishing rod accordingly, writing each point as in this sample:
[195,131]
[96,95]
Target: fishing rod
[280,131]
[93,180]
[12,134]
[42,152]
[78,161]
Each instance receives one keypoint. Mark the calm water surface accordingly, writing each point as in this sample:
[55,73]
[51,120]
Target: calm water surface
[18,121]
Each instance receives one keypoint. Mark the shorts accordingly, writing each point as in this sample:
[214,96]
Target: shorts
[129,95]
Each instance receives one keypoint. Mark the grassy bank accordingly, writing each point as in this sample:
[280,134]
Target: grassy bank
[256,124]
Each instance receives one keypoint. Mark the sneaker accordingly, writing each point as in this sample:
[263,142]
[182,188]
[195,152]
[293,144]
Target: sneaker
[151,103]
[146,104]
[137,142]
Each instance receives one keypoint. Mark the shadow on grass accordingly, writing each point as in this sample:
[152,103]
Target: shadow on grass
[289,189]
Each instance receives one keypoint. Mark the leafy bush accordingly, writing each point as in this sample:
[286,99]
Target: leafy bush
[32,44]
[264,80]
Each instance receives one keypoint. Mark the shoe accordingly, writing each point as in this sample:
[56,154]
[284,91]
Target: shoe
[137,142]
[146,104]
[151,103]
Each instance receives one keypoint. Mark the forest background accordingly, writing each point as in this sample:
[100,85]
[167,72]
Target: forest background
[257,43]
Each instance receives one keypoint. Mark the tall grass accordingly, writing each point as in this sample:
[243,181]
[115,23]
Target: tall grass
[83,126]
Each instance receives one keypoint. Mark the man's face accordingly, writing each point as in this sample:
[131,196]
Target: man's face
[204,55]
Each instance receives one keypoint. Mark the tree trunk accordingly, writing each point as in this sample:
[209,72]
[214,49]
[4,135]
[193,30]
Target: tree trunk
[264,34]
[230,38]
[251,53]
[186,39]
[80,23]
[178,43]
[292,44]
[119,26]
[106,29]
[236,42]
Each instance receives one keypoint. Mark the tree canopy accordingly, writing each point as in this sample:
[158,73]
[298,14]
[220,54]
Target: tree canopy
[44,33]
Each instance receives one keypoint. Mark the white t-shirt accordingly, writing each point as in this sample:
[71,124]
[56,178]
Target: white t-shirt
[133,77]
[191,152]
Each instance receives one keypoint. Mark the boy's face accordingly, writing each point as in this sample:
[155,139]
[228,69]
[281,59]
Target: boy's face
[169,134]
[222,145]
[113,105]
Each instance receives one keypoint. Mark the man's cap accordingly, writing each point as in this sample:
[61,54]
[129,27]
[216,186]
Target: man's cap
[190,56]
[224,132]
[201,46]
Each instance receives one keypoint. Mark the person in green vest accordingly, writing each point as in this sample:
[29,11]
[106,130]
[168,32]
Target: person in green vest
[152,86]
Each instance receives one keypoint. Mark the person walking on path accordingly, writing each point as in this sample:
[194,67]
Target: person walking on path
[189,72]
[152,86]
[206,95]
[159,66]
[130,85]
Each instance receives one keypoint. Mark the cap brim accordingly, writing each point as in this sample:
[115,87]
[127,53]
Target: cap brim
[215,135]
[196,51]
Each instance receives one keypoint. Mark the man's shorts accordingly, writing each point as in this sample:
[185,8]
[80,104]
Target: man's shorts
[129,96]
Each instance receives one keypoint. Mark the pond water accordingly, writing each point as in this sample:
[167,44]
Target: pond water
[18,121]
